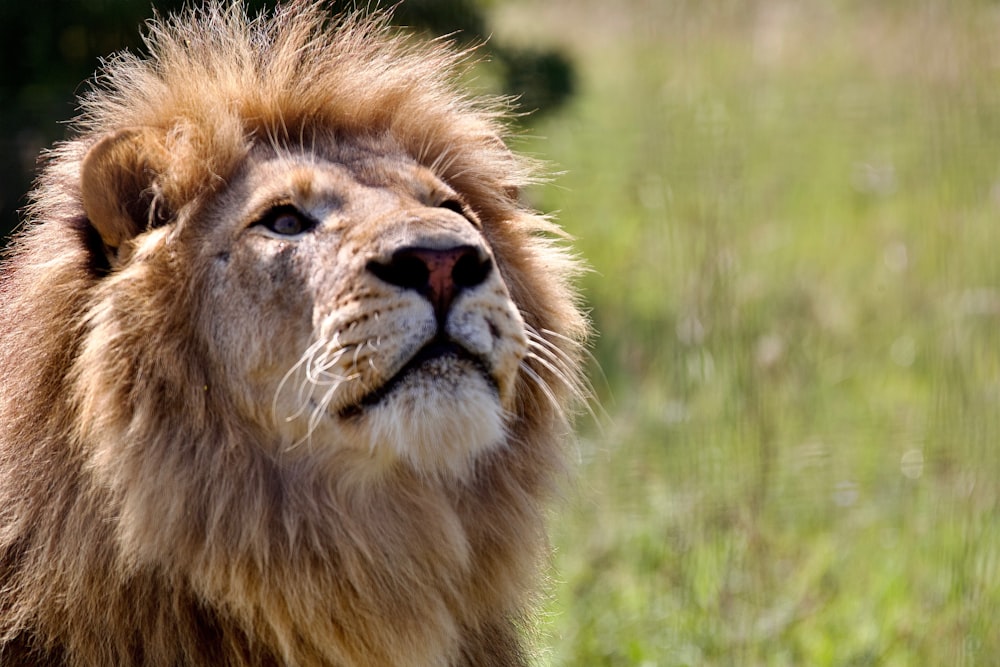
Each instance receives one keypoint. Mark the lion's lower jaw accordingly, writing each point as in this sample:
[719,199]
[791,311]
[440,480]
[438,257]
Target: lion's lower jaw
[435,432]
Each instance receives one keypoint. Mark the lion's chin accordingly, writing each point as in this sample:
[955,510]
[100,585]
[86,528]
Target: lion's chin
[436,418]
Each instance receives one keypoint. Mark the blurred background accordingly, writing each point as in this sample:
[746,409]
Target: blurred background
[790,211]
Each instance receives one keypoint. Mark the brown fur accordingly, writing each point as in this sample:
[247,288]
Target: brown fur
[154,508]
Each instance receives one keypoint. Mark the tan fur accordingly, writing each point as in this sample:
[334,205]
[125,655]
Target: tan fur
[190,473]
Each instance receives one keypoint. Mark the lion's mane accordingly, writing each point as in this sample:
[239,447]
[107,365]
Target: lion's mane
[139,523]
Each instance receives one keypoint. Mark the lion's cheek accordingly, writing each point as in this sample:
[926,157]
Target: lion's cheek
[493,329]
[254,322]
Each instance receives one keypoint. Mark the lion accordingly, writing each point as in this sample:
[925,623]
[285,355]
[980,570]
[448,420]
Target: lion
[289,366]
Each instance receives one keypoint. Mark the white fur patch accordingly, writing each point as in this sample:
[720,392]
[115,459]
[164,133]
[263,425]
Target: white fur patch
[437,419]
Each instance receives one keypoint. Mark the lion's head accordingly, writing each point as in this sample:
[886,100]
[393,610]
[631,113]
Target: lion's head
[286,360]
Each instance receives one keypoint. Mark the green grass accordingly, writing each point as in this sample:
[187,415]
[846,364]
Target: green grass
[792,210]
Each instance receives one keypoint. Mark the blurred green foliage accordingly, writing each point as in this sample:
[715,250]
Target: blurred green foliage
[50,48]
[791,210]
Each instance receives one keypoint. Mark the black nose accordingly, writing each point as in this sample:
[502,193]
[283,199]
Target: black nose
[439,275]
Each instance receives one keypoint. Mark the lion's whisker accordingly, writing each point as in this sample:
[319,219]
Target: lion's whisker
[357,353]
[576,345]
[315,364]
[317,414]
[319,372]
[561,363]
[551,352]
[304,359]
[543,338]
[546,390]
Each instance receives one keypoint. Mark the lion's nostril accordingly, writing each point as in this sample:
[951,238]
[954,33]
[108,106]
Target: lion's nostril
[437,274]
[470,270]
[403,270]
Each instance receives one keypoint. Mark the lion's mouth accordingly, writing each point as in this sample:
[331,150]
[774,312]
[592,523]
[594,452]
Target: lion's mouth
[437,353]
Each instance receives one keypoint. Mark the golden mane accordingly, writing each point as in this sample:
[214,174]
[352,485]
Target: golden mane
[218,82]
[139,521]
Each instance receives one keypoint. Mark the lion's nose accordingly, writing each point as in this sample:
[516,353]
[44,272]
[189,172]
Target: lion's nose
[438,274]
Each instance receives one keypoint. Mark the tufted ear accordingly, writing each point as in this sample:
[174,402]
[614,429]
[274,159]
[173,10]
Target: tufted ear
[118,180]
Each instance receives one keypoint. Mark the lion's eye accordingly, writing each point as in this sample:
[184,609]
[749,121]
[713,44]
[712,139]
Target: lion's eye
[453,205]
[286,221]
[456,205]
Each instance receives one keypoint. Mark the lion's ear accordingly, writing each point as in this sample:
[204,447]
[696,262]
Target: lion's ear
[118,179]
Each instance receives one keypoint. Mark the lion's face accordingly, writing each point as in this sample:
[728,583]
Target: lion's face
[354,305]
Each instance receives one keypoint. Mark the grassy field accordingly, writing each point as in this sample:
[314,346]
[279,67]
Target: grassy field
[792,210]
